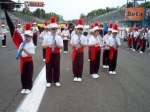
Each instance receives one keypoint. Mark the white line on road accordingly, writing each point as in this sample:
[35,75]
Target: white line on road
[32,101]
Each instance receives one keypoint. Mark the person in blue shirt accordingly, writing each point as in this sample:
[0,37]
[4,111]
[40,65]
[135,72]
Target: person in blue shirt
[105,28]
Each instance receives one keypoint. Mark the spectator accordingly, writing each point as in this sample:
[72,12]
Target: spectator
[105,28]
[86,29]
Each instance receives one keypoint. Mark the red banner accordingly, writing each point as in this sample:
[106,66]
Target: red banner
[34,4]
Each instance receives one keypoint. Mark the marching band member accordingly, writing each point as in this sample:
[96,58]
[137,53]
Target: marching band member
[26,63]
[135,37]
[65,34]
[43,35]
[130,36]
[19,29]
[143,39]
[94,43]
[88,37]
[35,32]
[3,32]
[53,44]
[113,43]
[106,49]
[78,43]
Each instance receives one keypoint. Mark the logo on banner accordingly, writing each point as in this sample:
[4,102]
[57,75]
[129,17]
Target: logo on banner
[134,13]
[34,4]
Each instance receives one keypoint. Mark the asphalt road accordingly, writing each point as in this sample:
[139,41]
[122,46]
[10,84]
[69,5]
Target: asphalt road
[127,91]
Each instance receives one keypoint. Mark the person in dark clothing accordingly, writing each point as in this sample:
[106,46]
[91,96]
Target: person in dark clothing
[70,28]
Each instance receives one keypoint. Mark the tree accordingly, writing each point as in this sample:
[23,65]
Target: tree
[82,15]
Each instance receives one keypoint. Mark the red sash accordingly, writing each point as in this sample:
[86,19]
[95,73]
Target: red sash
[93,52]
[112,51]
[65,36]
[48,53]
[104,44]
[134,38]
[89,48]
[129,41]
[74,52]
[22,60]
[35,34]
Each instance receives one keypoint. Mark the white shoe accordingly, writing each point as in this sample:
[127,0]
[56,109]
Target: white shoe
[4,46]
[79,79]
[43,59]
[110,72]
[141,52]
[27,91]
[107,66]
[94,76]
[57,84]
[23,91]
[66,51]
[35,46]
[75,79]
[113,72]
[104,66]
[148,49]
[88,59]
[97,75]
[133,49]
[48,85]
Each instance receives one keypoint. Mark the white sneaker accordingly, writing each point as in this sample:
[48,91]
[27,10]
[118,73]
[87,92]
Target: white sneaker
[75,79]
[110,72]
[27,91]
[94,76]
[43,59]
[35,46]
[107,66]
[133,49]
[79,79]
[57,84]
[23,91]
[48,85]
[141,52]
[97,75]
[104,66]
[113,72]
[148,49]
[4,46]
[66,51]
[88,59]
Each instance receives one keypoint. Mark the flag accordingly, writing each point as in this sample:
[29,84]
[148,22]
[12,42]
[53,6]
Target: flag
[16,37]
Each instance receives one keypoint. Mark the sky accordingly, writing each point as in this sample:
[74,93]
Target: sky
[71,9]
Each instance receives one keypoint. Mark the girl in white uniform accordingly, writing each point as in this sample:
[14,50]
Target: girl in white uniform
[113,43]
[3,32]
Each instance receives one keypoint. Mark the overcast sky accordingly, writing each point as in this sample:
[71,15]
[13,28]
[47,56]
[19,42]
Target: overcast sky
[71,9]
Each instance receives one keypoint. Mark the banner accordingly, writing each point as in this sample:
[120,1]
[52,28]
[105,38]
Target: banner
[134,14]
[34,4]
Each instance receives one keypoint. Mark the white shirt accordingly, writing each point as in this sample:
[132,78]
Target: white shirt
[44,33]
[73,33]
[19,30]
[3,31]
[106,37]
[29,47]
[148,33]
[130,34]
[58,31]
[86,28]
[111,41]
[135,34]
[23,37]
[89,36]
[35,29]
[49,40]
[74,40]
[94,40]
[65,33]
[144,35]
